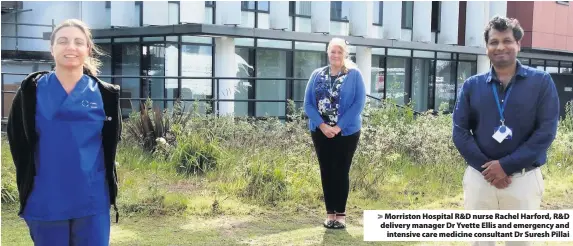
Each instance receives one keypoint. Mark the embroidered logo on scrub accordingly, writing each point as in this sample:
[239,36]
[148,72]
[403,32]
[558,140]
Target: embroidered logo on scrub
[87,104]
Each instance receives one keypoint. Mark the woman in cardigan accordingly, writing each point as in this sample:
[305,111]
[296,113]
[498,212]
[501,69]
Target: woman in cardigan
[334,100]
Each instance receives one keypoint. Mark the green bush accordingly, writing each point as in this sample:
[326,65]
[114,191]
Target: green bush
[149,124]
[9,188]
[567,121]
[194,154]
[403,160]
[266,183]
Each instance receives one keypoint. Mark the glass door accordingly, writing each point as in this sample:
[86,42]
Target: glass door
[153,64]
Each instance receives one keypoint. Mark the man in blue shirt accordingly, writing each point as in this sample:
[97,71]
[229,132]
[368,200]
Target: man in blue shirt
[503,123]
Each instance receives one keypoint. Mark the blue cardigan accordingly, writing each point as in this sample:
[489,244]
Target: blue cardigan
[352,101]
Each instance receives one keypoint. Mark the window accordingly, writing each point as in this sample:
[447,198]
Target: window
[407,14]
[248,5]
[445,86]
[173,12]
[196,61]
[469,57]
[465,70]
[377,76]
[422,75]
[305,62]
[255,5]
[244,88]
[566,67]
[396,77]
[263,5]
[126,61]
[139,13]
[209,10]
[153,64]
[339,10]
[436,8]
[271,63]
[105,60]
[552,66]
[377,12]
[539,64]
[424,54]
[302,11]
[271,43]
[300,8]
[321,47]
[399,52]
[171,69]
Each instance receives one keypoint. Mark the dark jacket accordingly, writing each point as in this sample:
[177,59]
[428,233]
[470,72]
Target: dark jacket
[22,136]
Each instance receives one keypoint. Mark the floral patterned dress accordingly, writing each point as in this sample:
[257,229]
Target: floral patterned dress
[328,95]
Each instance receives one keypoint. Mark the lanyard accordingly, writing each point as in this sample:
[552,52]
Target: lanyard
[330,81]
[501,108]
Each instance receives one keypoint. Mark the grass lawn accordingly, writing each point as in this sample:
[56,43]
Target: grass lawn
[260,183]
[265,228]
[246,224]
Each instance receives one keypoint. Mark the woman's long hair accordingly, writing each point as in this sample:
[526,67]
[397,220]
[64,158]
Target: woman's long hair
[91,64]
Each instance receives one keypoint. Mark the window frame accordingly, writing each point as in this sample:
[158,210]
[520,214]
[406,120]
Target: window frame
[404,21]
[293,8]
[341,8]
[245,4]
[380,21]
[436,28]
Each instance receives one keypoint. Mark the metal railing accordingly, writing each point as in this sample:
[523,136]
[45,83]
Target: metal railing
[380,100]
[17,24]
[215,101]
[13,92]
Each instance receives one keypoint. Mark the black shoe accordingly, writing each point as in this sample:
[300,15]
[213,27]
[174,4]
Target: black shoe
[329,224]
[338,225]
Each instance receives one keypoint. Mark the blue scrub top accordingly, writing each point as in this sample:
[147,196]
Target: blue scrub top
[70,179]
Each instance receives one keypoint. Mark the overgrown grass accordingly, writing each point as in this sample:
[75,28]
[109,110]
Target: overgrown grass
[402,162]
[9,188]
[221,166]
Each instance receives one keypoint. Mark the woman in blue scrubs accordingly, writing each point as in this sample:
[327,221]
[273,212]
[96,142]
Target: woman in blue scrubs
[63,130]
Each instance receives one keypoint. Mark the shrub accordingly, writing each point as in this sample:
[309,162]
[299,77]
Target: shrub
[401,157]
[9,188]
[194,154]
[266,183]
[149,124]
[567,121]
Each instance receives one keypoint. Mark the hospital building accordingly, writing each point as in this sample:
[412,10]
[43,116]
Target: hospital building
[249,57]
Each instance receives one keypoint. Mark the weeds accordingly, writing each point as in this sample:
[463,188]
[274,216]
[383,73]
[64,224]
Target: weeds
[402,161]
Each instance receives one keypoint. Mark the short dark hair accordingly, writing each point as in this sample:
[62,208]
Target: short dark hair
[501,24]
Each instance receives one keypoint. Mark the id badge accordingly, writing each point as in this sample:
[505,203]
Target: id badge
[501,133]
